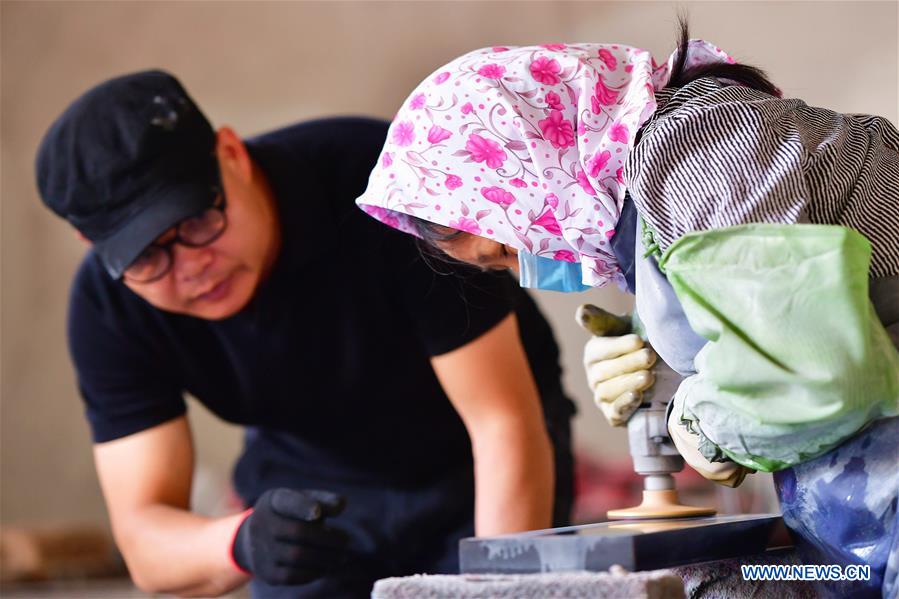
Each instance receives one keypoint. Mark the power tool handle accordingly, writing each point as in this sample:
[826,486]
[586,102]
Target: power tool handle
[602,323]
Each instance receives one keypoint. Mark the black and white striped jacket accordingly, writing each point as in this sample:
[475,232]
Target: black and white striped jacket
[717,155]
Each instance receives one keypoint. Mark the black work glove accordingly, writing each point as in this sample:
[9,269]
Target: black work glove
[284,540]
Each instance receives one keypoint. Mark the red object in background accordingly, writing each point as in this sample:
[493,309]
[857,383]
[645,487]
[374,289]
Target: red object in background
[600,486]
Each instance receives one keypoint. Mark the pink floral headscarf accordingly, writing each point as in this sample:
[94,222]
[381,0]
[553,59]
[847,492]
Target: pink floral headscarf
[524,146]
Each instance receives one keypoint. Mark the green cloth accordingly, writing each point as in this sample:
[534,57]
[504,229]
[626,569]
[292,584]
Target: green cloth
[797,360]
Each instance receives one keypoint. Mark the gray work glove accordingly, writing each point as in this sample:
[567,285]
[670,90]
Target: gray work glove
[729,473]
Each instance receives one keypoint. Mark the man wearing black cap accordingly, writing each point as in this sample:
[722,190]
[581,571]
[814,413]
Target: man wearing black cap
[375,392]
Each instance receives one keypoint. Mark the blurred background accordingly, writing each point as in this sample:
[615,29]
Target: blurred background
[260,65]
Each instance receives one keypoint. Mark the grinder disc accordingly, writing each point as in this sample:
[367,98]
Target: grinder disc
[659,504]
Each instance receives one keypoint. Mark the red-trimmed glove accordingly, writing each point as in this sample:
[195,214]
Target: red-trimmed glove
[284,539]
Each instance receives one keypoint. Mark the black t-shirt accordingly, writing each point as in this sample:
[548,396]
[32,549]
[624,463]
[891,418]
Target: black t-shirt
[330,362]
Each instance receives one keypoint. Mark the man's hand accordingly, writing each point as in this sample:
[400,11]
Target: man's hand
[284,540]
[729,474]
[618,370]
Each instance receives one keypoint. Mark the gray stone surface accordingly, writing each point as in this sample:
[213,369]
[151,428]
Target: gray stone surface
[634,545]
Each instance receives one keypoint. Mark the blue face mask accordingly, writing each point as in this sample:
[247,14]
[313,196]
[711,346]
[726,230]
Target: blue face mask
[537,272]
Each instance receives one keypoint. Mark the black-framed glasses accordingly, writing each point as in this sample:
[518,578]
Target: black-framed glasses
[195,231]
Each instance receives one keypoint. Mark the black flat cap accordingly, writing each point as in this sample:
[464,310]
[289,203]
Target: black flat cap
[126,161]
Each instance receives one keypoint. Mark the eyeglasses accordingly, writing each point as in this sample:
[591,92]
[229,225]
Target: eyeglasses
[196,231]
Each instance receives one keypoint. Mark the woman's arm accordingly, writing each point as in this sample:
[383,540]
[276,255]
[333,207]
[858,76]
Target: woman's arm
[146,481]
[489,382]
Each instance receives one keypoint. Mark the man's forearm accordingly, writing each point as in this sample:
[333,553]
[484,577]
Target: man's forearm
[514,477]
[175,551]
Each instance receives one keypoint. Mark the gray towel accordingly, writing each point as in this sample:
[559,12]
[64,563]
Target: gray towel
[615,584]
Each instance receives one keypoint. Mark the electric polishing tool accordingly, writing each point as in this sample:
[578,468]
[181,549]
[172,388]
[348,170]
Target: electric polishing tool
[653,453]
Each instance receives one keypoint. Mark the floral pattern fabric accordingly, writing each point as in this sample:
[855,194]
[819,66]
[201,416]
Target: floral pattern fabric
[524,146]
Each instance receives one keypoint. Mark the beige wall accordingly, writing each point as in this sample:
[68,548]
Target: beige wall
[259,65]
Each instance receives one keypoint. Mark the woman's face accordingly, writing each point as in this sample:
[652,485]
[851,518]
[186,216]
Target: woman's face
[481,252]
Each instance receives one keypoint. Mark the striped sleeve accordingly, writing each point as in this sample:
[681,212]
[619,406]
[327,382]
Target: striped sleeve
[717,155]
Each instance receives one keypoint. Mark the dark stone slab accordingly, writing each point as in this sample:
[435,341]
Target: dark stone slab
[634,545]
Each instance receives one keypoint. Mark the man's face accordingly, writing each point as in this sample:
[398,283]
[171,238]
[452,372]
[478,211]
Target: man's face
[218,280]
